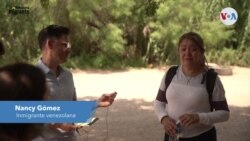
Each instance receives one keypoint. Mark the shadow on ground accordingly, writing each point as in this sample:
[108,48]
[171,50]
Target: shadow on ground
[134,120]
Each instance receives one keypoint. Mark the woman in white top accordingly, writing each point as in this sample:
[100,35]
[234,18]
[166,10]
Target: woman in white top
[186,98]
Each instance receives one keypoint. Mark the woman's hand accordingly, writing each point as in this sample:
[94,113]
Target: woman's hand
[189,119]
[169,126]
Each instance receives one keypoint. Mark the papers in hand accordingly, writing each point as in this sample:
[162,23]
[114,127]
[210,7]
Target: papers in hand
[89,122]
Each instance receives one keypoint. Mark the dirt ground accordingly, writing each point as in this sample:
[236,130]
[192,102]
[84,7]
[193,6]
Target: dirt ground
[131,117]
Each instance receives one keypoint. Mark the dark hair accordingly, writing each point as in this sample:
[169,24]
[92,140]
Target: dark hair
[195,37]
[22,81]
[1,48]
[51,31]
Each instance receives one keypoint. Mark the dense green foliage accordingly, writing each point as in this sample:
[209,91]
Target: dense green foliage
[120,34]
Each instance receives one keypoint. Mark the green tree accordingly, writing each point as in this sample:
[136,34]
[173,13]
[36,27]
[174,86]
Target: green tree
[177,17]
[120,33]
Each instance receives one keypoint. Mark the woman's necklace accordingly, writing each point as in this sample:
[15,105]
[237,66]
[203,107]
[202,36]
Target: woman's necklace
[188,79]
[192,75]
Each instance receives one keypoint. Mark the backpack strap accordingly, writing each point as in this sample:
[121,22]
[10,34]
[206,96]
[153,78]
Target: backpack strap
[210,82]
[161,96]
[170,74]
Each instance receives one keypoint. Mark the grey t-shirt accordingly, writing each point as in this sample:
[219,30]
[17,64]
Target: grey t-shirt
[60,88]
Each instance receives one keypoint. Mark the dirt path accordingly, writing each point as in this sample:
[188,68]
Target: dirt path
[131,117]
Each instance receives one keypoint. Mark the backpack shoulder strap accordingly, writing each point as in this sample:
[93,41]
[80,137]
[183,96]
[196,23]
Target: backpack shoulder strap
[161,96]
[210,82]
[169,76]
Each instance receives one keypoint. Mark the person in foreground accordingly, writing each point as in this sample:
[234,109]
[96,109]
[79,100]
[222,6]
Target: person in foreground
[21,82]
[186,100]
[55,45]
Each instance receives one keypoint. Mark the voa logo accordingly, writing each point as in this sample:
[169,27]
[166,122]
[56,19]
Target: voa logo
[228,16]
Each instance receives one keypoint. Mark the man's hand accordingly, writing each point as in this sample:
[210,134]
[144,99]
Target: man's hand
[65,127]
[106,99]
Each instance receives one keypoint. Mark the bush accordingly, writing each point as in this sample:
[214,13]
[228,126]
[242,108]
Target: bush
[225,56]
[103,61]
[245,61]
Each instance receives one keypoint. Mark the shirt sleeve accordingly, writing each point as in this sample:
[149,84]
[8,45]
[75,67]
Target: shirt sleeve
[74,95]
[161,101]
[74,92]
[161,95]
[219,103]
[160,109]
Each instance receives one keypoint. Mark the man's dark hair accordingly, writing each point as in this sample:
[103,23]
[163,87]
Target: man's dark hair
[51,31]
[1,48]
